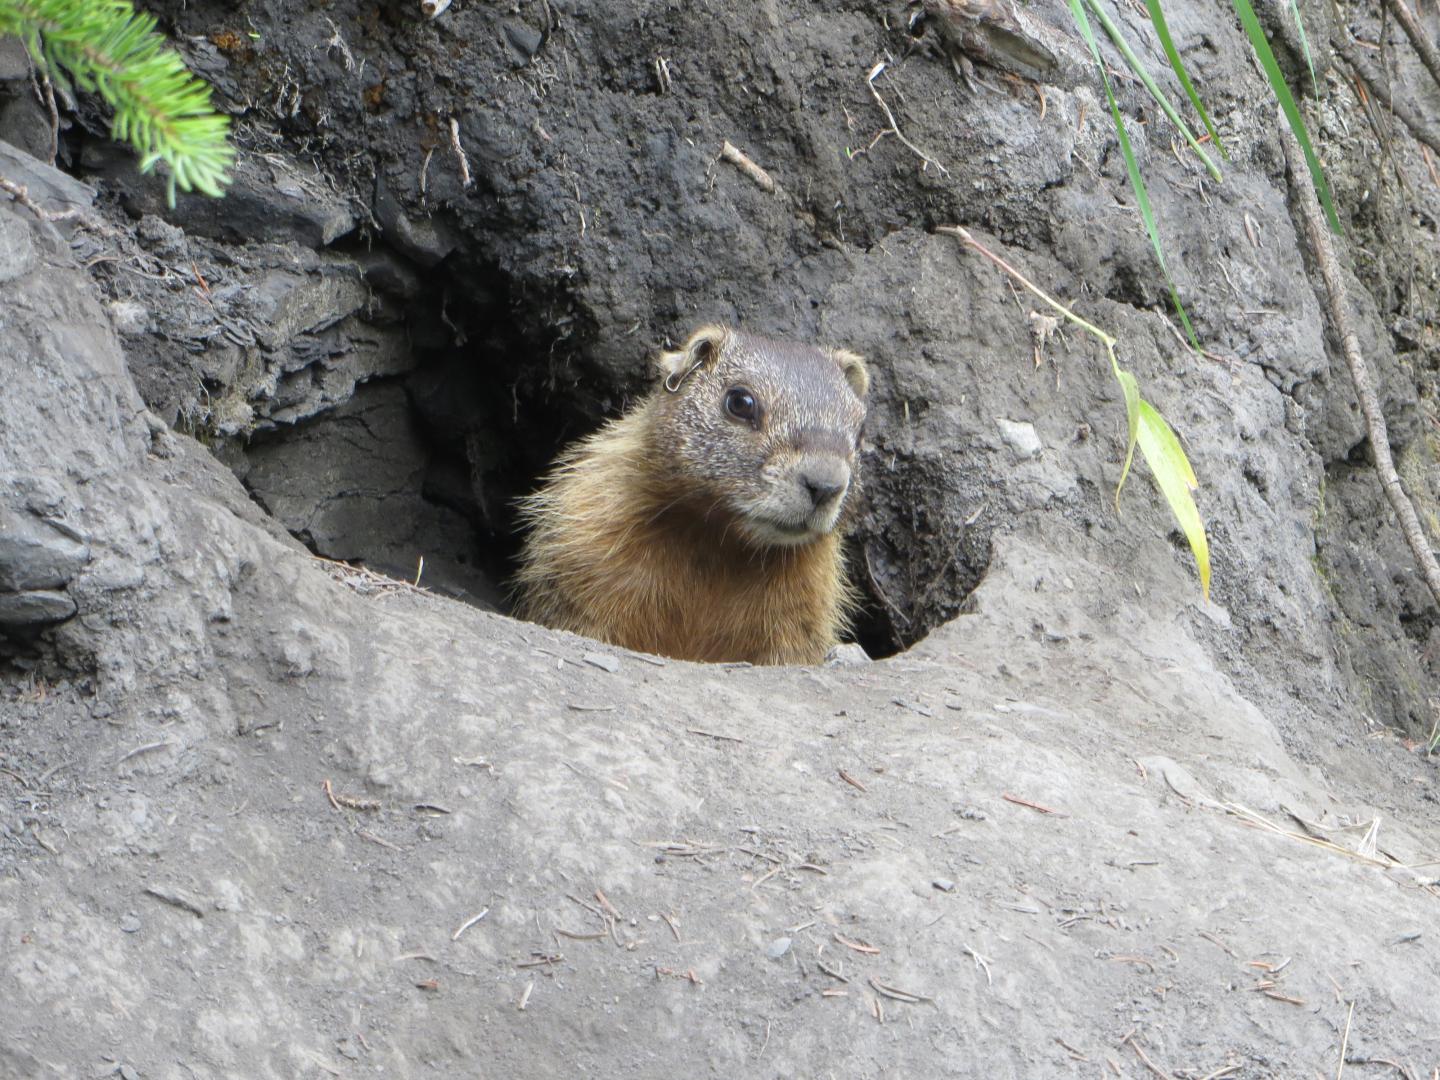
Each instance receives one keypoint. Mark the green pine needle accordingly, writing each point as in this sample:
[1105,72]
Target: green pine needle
[161,109]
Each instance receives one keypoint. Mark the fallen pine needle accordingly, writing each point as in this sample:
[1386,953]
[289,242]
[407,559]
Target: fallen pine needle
[671,923]
[1283,997]
[1345,1041]
[896,993]
[1216,941]
[858,946]
[1026,802]
[469,923]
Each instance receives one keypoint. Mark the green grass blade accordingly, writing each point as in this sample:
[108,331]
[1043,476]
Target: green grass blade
[1113,30]
[1176,480]
[1305,47]
[1287,103]
[1137,182]
[1162,31]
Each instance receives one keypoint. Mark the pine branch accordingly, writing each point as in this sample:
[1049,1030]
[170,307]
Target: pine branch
[162,110]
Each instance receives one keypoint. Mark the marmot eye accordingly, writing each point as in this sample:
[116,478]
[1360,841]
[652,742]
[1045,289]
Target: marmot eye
[740,403]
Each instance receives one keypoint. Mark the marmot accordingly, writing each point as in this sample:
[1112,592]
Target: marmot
[705,523]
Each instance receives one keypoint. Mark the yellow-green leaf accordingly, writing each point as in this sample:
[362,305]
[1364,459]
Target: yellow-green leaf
[1176,480]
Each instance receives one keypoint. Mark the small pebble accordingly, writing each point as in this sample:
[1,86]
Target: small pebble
[130,922]
[944,884]
[778,948]
[1020,437]
[603,661]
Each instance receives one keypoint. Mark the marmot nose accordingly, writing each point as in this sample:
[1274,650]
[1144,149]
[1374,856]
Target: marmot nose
[825,484]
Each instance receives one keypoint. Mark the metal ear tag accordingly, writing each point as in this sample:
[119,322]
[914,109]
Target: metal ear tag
[673,384]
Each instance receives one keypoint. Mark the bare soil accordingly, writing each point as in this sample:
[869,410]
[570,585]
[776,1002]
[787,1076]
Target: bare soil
[265,814]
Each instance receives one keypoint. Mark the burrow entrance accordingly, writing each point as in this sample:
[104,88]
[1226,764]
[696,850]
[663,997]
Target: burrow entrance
[428,464]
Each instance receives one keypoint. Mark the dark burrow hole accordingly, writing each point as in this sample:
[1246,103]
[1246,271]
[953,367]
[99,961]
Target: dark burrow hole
[434,460]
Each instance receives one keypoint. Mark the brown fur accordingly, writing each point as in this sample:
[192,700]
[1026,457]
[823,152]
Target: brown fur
[633,543]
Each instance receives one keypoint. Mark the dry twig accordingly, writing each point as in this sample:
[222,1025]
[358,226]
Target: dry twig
[21,194]
[729,152]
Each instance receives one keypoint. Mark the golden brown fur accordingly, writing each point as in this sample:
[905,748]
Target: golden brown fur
[636,539]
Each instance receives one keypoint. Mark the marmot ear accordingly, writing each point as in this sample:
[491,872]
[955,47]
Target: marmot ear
[856,374]
[700,350]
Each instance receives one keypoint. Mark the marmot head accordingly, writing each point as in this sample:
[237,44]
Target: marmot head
[768,430]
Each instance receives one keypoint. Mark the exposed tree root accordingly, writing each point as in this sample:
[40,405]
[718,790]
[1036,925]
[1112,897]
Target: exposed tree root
[1337,309]
[1409,115]
[1418,38]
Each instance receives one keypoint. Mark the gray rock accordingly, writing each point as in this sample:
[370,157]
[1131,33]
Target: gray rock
[37,608]
[268,200]
[778,948]
[35,555]
[426,240]
[47,185]
[160,236]
[14,60]
[288,304]
[1020,437]
[17,250]
[25,124]
[386,272]
[128,316]
[847,654]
